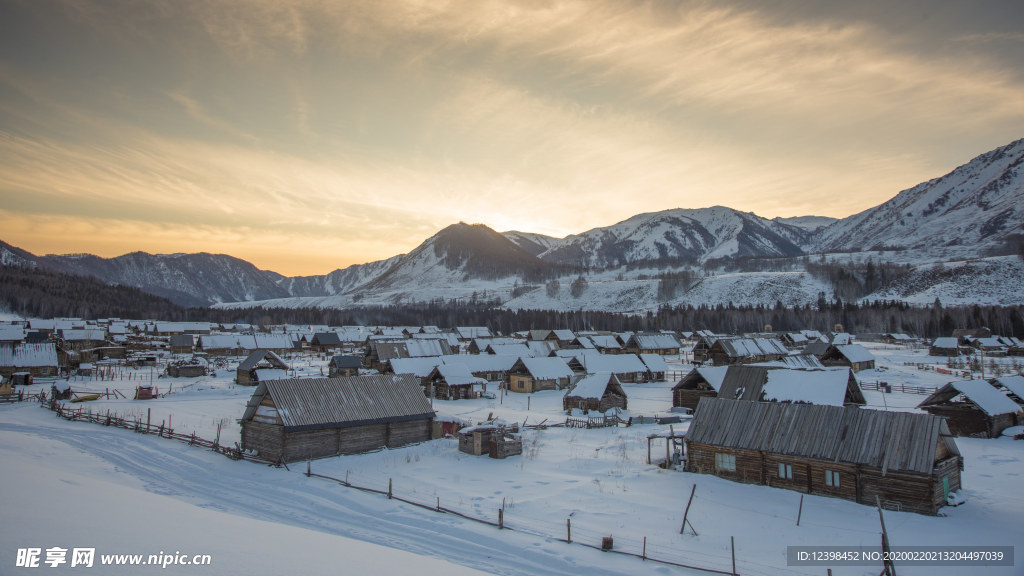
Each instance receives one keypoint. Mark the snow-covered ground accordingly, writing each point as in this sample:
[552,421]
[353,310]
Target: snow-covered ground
[74,484]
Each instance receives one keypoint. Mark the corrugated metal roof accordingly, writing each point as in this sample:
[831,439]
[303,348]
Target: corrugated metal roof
[258,356]
[315,403]
[28,355]
[900,441]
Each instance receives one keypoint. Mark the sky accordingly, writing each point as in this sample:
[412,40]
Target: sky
[309,135]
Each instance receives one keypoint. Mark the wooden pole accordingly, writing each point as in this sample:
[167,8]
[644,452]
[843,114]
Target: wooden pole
[501,519]
[732,545]
[888,567]
[687,512]
[568,529]
[389,488]
[644,555]
[800,510]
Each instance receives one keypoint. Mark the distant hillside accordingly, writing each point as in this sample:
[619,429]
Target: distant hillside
[32,292]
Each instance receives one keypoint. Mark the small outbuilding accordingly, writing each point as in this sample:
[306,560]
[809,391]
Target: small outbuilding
[452,382]
[855,356]
[944,346]
[534,374]
[495,440]
[973,408]
[344,366]
[701,382]
[247,373]
[598,392]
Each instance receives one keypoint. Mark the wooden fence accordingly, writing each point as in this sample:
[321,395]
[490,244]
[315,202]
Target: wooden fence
[604,545]
[107,419]
[886,387]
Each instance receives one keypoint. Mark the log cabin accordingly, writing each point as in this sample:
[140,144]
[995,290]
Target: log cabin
[908,460]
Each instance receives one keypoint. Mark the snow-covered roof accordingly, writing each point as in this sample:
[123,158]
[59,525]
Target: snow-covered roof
[521,350]
[992,343]
[218,342]
[613,364]
[12,332]
[751,347]
[841,339]
[656,341]
[946,342]
[420,348]
[28,355]
[605,341]
[482,362]
[985,396]
[593,386]
[166,327]
[471,332]
[713,375]
[458,375]
[654,362]
[823,387]
[547,368]
[796,361]
[855,353]
[1014,384]
[90,334]
[420,367]
[797,337]
[564,335]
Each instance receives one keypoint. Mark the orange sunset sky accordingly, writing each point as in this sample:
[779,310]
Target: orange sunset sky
[310,135]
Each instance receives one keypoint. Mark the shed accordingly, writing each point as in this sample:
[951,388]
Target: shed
[727,351]
[344,365]
[656,367]
[1014,385]
[908,460]
[182,343]
[495,440]
[855,356]
[258,360]
[291,420]
[38,359]
[628,367]
[944,346]
[453,382]
[600,392]
[973,408]
[652,343]
[701,382]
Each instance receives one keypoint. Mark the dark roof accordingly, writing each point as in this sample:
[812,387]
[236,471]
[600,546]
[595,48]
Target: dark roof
[346,361]
[316,403]
[816,349]
[258,356]
[182,340]
[902,441]
[327,339]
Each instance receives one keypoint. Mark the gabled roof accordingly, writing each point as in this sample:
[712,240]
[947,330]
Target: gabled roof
[258,356]
[1015,384]
[327,339]
[510,350]
[605,341]
[986,397]
[12,332]
[316,403]
[178,340]
[471,332]
[897,441]
[419,367]
[713,375]
[610,364]
[545,368]
[751,347]
[654,362]
[28,355]
[947,342]
[456,375]
[832,386]
[346,361]
[595,386]
[795,361]
[652,341]
[855,353]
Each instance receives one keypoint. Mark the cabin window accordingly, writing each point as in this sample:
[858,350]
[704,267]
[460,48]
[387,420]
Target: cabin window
[832,478]
[726,462]
[785,471]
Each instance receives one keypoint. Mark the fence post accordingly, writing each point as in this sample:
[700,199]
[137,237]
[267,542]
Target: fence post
[644,555]
[501,519]
[568,527]
[389,488]
[732,545]
[800,510]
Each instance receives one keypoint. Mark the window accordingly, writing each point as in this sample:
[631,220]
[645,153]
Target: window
[725,462]
[831,478]
[785,471]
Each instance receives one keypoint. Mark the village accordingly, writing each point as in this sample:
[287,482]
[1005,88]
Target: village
[595,438]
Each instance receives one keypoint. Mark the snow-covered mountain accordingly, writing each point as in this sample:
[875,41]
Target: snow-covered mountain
[679,236]
[973,213]
[975,208]
[186,279]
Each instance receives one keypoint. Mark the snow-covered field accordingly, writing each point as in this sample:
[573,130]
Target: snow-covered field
[74,484]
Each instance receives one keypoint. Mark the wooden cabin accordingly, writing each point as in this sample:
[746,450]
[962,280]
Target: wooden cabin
[652,343]
[973,408]
[247,373]
[701,382]
[325,341]
[944,346]
[40,360]
[853,355]
[627,367]
[299,419]
[495,440]
[533,374]
[729,351]
[344,366]
[452,382]
[908,460]
[182,343]
[598,392]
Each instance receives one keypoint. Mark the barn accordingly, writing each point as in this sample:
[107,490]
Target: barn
[292,420]
[944,346]
[973,408]
[599,392]
[908,460]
